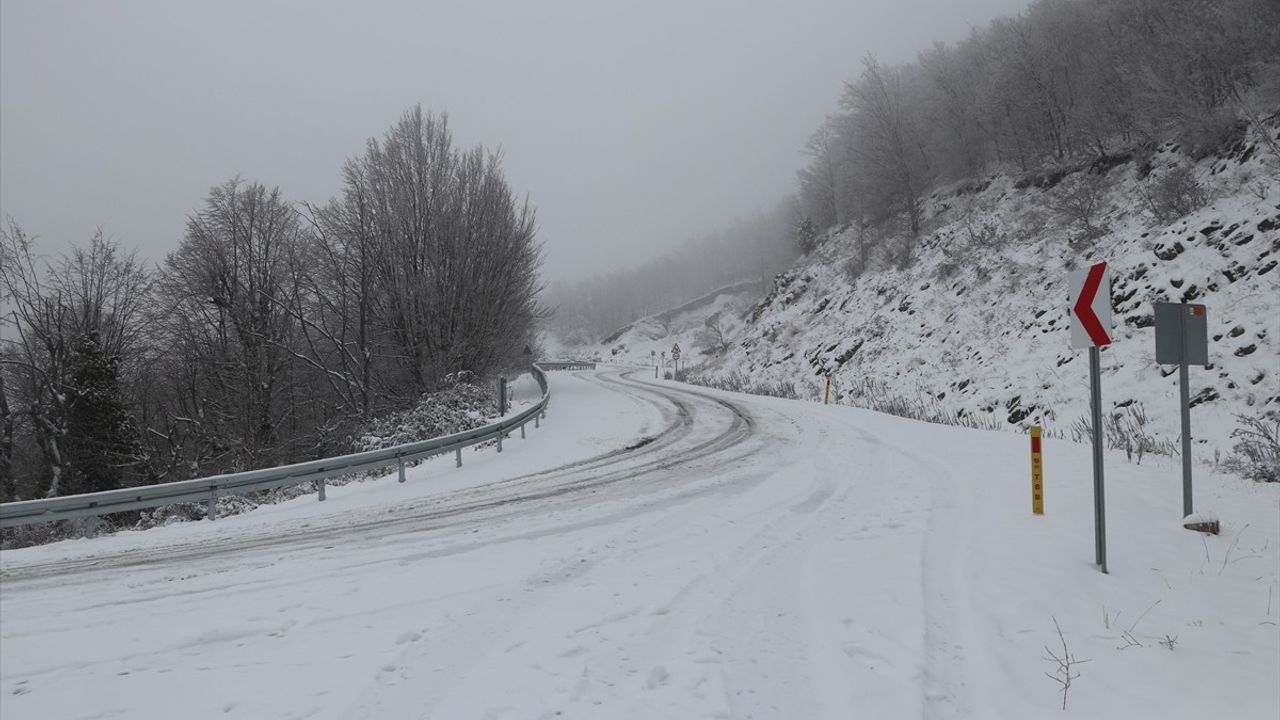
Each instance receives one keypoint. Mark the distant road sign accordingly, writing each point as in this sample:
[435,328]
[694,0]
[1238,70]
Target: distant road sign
[675,351]
[1090,297]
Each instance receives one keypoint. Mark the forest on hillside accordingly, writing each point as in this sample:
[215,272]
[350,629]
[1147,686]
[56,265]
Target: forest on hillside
[1064,82]
[275,331]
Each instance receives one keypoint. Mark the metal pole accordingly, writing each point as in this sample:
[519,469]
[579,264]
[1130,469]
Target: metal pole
[522,430]
[459,453]
[1185,408]
[320,488]
[1099,508]
[401,469]
[1185,396]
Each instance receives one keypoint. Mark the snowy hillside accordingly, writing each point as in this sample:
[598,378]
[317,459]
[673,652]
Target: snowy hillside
[714,317]
[976,326]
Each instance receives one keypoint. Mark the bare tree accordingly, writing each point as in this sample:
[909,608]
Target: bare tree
[887,140]
[8,483]
[223,289]
[95,292]
[449,251]
[715,333]
[819,182]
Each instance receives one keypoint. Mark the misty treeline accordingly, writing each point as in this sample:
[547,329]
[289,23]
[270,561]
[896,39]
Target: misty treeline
[274,331]
[757,247]
[1065,81]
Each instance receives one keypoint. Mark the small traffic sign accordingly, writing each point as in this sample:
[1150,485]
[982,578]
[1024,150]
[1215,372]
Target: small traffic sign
[675,351]
[1182,334]
[1090,310]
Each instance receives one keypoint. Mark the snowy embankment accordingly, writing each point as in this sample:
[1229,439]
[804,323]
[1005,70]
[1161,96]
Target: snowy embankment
[713,318]
[977,324]
[746,557]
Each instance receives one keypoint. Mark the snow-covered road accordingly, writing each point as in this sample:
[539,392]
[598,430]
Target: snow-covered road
[662,551]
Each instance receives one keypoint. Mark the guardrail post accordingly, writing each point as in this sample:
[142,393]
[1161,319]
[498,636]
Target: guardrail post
[91,526]
[522,430]
[459,454]
[536,418]
[401,469]
[213,506]
[320,488]
[500,434]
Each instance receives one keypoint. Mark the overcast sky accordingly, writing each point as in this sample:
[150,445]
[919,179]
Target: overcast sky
[632,126]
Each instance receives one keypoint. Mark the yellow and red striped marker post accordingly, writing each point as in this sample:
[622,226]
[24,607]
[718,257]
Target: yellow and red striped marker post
[826,395]
[1037,473]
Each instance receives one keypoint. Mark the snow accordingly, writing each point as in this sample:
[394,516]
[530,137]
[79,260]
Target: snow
[977,324]
[645,341]
[1201,518]
[749,557]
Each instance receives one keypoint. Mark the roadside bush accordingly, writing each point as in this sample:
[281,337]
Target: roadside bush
[1257,450]
[1079,203]
[924,406]
[1211,132]
[744,383]
[1125,431]
[1173,194]
[461,406]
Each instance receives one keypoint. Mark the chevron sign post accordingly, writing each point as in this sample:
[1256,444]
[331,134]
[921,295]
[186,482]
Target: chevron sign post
[1090,312]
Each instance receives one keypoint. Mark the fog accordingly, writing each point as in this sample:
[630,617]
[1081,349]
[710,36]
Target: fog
[631,126]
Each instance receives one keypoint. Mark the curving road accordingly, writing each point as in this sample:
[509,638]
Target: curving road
[678,570]
[696,429]
[654,550]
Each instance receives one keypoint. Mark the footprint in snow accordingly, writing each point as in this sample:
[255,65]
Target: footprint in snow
[657,676]
[408,637]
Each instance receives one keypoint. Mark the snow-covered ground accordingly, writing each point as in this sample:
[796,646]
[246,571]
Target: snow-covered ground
[657,550]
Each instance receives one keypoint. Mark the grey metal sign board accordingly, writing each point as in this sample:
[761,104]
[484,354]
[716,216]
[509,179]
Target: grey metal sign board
[1182,334]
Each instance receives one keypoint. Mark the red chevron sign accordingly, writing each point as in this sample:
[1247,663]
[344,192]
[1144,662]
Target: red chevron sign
[1090,306]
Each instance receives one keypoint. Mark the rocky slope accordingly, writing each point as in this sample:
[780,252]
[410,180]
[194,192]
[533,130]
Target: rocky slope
[975,327]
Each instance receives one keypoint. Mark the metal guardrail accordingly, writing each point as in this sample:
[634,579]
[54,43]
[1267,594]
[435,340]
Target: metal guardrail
[93,505]
[568,365]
